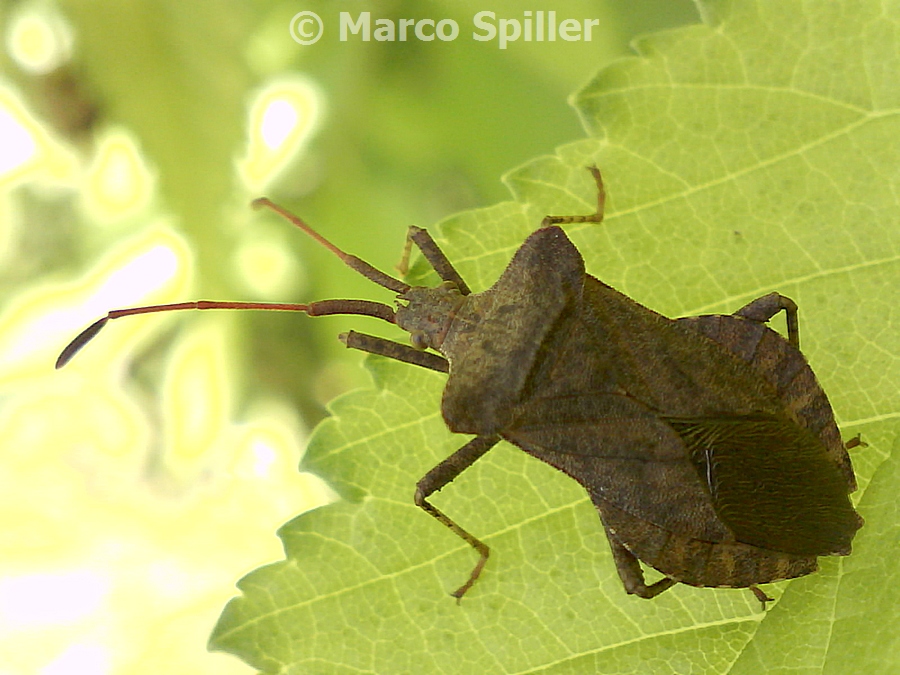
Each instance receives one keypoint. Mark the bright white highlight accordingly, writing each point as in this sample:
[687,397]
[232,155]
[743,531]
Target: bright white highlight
[278,122]
[38,41]
[283,116]
[19,147]
[264,456]
[124,287]
[43,600]
[86,658]
[145,274]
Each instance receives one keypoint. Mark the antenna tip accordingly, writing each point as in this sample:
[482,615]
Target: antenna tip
[261,202]
[80,341]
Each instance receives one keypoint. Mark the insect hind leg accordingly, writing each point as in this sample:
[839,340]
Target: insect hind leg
[764,308]
[631,574]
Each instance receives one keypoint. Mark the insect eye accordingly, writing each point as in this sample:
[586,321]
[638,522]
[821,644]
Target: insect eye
[418,340]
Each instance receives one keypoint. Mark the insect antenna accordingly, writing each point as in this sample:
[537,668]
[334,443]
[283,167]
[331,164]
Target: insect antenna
[351,261]
[321,308]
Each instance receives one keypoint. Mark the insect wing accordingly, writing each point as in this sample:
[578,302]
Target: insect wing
[771,483]
[624,455]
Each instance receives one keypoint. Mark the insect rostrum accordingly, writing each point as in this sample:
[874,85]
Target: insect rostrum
[706,443]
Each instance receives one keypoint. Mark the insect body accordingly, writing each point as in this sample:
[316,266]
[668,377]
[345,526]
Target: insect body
[706,444]
[698,462]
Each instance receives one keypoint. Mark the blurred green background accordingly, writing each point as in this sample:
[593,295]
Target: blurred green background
[140,482]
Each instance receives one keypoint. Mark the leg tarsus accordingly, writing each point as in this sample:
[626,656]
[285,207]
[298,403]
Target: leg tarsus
[437,478]
[764,308]
[631,574]
[760,595]
[403,265]
[592,218]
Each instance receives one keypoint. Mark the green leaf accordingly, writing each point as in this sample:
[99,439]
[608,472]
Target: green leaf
[754,153]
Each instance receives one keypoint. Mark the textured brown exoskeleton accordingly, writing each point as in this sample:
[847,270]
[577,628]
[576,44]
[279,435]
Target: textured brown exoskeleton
[706,443]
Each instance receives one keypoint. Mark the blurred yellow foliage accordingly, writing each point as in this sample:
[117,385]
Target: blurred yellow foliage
[124,530]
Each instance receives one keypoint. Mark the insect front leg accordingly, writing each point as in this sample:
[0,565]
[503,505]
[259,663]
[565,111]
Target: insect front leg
[434,255]
[394,350]
[437,478]
[631,574]
[764,308]
[592,218]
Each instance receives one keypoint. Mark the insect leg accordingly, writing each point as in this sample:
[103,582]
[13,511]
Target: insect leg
[760,595]
[434,255]
[437,478]
[631,574]
[764,308]
[594,217]
[394,350]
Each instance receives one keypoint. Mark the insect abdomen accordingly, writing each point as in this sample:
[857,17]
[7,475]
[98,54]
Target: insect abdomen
[701,563]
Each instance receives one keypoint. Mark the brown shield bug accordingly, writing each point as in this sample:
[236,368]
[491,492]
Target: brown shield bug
[706,443]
